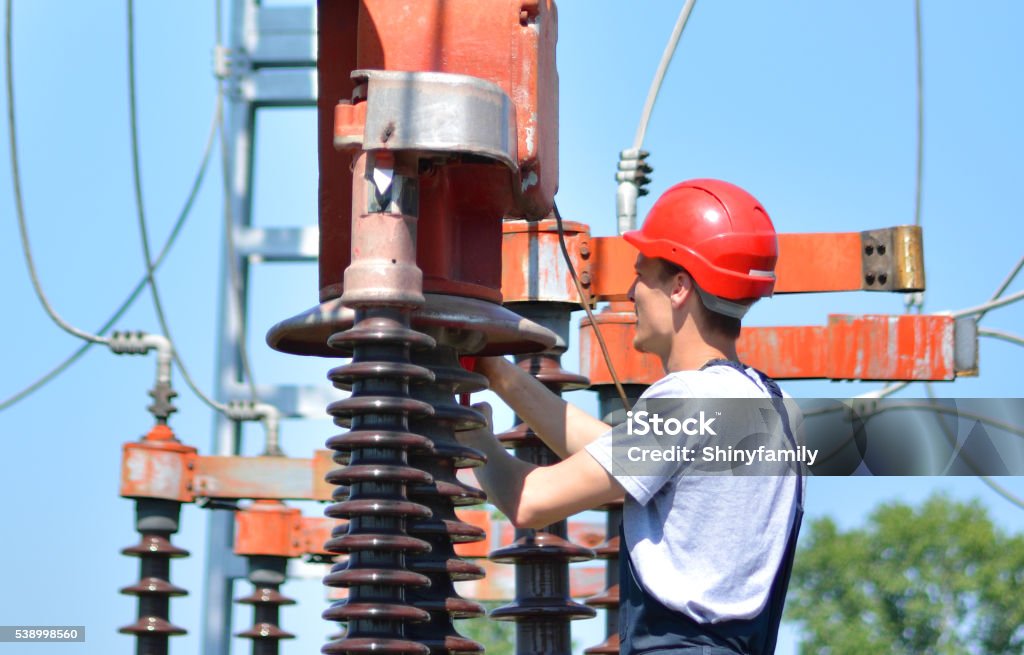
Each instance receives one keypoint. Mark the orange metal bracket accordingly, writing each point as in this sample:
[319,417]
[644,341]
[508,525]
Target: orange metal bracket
[158,466]
[532,265]
[270,527]
[274,478]
[889,259]
[179,474]
[870,347]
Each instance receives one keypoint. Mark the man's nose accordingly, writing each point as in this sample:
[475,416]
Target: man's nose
[632,288]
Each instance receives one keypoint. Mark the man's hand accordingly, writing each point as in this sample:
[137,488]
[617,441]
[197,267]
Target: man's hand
[482,435]
[533,496]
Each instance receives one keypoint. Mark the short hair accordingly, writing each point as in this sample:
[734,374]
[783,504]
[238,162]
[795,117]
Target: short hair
[727,326]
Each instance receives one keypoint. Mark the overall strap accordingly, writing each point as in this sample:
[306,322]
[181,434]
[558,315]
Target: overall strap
[780,406]
[777,598]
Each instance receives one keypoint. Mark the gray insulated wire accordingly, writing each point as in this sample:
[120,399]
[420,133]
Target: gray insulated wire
[628,192]
[19,204]
[140,211]
[186,211]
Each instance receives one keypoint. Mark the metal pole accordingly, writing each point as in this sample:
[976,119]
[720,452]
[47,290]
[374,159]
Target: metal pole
[543,607]
[222,565]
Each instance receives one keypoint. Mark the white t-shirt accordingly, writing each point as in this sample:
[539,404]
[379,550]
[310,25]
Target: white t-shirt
[706,546]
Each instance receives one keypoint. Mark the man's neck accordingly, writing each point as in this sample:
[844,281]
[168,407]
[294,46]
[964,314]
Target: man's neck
[693,353]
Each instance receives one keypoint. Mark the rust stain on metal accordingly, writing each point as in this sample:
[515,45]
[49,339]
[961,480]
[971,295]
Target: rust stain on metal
[272,478]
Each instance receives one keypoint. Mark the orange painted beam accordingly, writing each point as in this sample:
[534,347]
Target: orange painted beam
[869,347]
[532,265]
[270,527]
[888,259]
[180,474]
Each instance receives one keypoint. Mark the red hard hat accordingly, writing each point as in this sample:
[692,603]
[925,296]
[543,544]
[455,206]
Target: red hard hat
[718,232]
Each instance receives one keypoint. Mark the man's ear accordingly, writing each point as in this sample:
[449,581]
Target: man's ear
[682,288]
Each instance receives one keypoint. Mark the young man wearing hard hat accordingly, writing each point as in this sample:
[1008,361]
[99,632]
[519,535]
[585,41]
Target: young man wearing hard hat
[705,560]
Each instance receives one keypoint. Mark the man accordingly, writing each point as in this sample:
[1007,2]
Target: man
[705,560]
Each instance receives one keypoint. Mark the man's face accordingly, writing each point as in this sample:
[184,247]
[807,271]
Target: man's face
[650,293]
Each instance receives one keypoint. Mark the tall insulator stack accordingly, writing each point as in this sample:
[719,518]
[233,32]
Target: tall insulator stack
[156,519]
[608,600]
[455,143]
[383,286]
[443,495]
[617,323]
[543,607]
[267,534]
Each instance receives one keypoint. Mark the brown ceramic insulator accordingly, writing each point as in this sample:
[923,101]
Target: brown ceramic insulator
[345,645]
[547,367]
[456,568]
[379,330]
[541,547]
[376,476]
[152,626]
[609,405]
[377,507]
[156,520]
[607,598]
[374,472]
[543,607]
[344,411]
[342,576]
[462,456]
[368,438]
[609,646]
[345,376]
[442,565]
[519,437]
[458,531]
[153,586]
[155,545]
[608,549]
[265,632]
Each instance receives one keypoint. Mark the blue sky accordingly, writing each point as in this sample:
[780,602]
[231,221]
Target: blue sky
[809,105]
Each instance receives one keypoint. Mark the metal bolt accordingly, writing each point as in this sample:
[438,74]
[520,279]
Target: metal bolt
[870,277]
[869,250]
[882,277]
[881,249]
[585,279]
[585,250]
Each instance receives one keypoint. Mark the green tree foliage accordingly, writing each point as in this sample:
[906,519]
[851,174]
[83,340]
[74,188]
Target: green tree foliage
[498,637]
[939,579]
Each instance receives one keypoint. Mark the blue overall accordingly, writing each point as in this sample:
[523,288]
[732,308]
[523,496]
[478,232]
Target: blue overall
[647,626]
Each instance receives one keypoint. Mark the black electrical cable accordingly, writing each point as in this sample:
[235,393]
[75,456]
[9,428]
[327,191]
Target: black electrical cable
[127,303]
[18,200]
[186,211]
[141,213]
[584,302]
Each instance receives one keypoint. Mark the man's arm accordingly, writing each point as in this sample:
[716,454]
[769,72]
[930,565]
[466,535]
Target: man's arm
[565,428]
[534,496]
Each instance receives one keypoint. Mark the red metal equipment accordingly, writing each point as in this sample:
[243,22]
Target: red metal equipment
[536,283]
[157,511]
[444,116]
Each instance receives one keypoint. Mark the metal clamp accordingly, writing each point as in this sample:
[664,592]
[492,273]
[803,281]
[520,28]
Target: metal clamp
[435,112]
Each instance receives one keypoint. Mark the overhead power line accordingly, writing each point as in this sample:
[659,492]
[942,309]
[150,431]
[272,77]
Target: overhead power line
[253,410]
[999,334]
[659,75]
[19,204]
[140,210]
[183,215]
